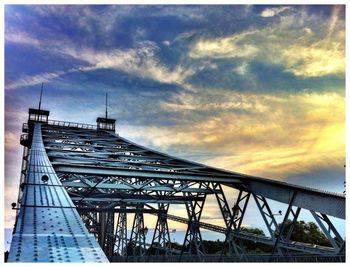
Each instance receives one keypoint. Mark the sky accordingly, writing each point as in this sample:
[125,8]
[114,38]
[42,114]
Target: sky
[255,89]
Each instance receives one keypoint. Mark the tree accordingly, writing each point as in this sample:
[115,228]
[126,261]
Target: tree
[253,247]
[306,233]
[212,247]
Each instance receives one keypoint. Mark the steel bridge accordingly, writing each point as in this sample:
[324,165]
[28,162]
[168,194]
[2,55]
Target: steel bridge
[78,183]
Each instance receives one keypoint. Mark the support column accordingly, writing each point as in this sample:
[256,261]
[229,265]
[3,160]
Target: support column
[120,236]
[91,222]
[161,242]
[108,246]
[137,243]
[193,243]
[102,233]
[233,220]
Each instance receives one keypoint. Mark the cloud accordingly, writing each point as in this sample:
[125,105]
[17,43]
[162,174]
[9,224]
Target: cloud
[22,38]
[285,43]
[270,12]
[28,80]
[140,61]
[318,59]
[224,47]
[258,134]
[334,19]
[242,69]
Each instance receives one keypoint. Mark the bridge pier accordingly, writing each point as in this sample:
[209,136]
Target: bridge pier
[161,237]
[120,237]
[193,238]
[234,221]
[137,243]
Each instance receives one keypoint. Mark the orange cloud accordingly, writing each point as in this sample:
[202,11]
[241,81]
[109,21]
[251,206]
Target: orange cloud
[275,136]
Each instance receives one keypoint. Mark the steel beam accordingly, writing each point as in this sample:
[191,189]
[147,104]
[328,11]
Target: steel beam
[137,242]
[233,225]
[161,237]
[331,232]
[145,188]
[193,237]
[142,174]
[120,237]
[281,229]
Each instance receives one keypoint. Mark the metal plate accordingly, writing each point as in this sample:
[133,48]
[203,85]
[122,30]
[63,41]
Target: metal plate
[49,229]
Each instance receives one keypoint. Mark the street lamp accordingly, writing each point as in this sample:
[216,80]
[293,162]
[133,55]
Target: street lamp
[278,214]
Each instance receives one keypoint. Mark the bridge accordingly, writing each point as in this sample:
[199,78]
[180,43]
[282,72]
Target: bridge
[78,183]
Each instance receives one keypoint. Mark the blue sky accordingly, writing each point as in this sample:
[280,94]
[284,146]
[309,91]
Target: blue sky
[254,89]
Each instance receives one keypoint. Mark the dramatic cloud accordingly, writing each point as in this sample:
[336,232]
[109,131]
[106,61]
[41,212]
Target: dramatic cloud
[310,54]
[140,61]
[262,135]
[253,89]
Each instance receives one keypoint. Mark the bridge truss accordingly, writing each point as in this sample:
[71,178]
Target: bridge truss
[103,177]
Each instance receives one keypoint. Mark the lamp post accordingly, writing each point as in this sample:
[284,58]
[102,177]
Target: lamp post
[277,214]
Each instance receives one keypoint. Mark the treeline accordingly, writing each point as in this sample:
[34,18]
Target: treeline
[303,232]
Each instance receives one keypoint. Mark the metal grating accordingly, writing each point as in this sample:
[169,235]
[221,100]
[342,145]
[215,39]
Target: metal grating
[49,229]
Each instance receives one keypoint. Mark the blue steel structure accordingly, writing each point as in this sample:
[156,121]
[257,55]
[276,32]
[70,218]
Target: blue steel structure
[48,228]
[94,178]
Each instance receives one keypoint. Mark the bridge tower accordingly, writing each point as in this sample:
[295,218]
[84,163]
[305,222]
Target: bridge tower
[79,182]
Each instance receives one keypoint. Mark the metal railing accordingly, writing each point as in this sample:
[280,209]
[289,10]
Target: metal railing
[299,246]
[240,258]
[72,124]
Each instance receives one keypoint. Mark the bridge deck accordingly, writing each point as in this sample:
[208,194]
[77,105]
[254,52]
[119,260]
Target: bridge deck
[49,228]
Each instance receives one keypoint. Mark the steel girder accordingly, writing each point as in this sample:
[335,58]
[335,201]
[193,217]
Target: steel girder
[89,152]
[91,165]
[161,237]
[327,203]
[330,231]
[106,235]
[121,236]
[137,243]
[233,221]
[193,238]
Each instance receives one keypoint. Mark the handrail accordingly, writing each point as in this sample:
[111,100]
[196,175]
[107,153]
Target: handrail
[256,237]
[72,124]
